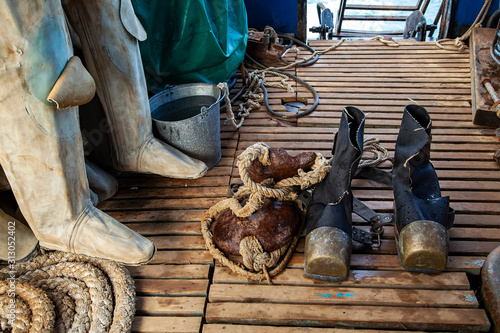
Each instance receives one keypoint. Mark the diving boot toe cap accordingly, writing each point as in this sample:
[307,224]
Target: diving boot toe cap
[98,235]
[423,246]
[162,159]
[328,254]
[328,268]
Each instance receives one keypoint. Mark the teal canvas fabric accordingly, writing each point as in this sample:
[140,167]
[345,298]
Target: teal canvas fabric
[191,40]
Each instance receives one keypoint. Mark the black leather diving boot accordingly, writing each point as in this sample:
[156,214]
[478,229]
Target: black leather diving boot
[422,215]
[329,217]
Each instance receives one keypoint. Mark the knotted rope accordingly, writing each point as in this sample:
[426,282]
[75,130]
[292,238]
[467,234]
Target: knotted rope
[258,264]
[379,154]
[73,293]
[458,43]
[388,42]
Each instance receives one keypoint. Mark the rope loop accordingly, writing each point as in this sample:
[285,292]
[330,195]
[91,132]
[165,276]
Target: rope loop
[458,42]
[388,42]
[379,154]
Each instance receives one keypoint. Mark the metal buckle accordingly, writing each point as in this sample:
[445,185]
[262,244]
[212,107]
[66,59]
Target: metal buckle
[374,236]
[369,238]
[376,240]
[379,221]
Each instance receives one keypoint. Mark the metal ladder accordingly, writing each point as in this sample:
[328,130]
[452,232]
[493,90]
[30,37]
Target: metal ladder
[421,6]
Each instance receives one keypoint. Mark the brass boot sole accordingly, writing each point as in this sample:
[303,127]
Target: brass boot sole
[423,247]
[328,254]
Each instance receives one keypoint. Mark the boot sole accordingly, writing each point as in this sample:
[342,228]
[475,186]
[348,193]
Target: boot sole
[328,254]
[423,247]
[49,247]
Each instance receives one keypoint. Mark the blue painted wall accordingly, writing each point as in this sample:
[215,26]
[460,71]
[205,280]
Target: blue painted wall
[466,12]
[280,14]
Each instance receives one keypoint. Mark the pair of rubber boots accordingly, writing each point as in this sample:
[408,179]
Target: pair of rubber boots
[421,214]
[41,146]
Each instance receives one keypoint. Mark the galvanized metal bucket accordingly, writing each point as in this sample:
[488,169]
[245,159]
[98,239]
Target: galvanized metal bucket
[187,117]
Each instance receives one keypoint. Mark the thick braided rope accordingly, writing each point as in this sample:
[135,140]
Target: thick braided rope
[99,289]
[113,277]
[254,257]
[40,306]
[77,291]
[121,282]
[318,172]
[64,308]
[22,314]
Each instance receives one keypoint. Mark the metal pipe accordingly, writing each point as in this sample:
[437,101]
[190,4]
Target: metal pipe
[485,81]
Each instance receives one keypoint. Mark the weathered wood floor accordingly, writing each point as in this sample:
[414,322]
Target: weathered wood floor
[183,290]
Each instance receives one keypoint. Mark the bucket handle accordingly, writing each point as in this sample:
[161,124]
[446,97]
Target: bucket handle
[204,109]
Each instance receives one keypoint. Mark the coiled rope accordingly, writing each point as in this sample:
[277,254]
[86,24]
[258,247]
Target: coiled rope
[64,292]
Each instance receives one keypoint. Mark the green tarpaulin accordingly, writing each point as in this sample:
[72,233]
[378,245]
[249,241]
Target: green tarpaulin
[191,40]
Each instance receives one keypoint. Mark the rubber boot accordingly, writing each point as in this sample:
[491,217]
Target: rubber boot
[41,147]
[422,215]
[100,182]
[18,243]
[329,217]
[109,32]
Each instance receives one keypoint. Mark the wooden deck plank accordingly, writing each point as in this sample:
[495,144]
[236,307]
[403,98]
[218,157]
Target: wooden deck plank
[145,324]
[170,306]
[365,278]
[366,261]
[473,320]
[171,287]
[185,183]
[148,228]
[158,215]
[178,242]
[182,257]
[342,295]
[170,271]
[213,328]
